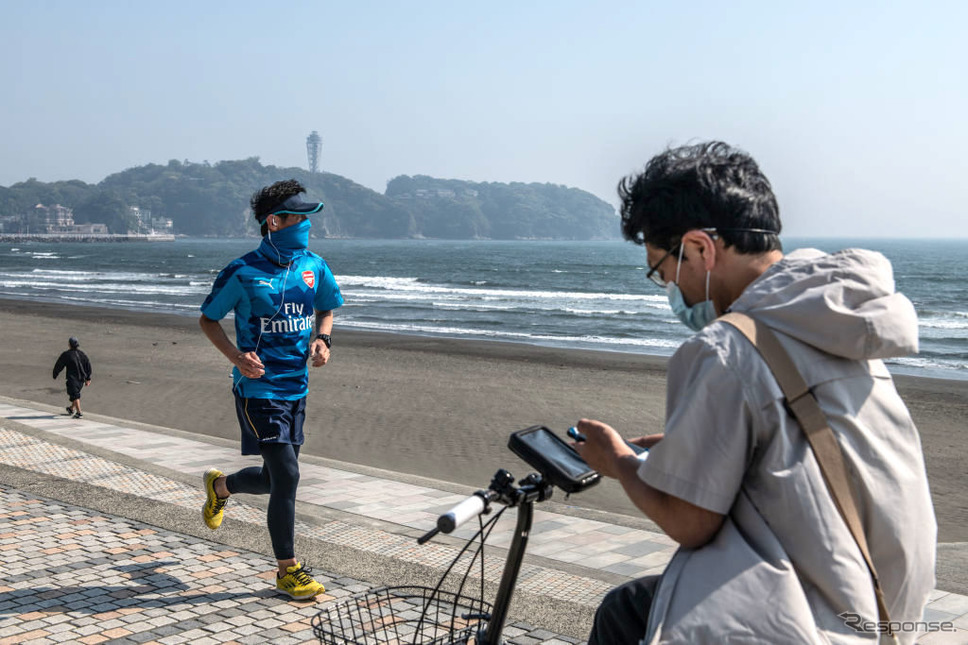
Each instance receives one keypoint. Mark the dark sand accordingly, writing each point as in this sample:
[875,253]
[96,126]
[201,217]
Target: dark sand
[437,408]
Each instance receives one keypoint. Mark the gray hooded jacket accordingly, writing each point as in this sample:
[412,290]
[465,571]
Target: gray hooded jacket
[784,568]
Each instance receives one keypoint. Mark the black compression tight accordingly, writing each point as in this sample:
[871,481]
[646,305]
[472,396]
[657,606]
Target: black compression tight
[278,478]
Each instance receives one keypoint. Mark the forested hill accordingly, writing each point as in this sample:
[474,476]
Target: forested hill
[450,208]
[213,199]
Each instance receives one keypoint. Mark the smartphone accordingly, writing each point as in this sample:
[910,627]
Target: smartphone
[577,436]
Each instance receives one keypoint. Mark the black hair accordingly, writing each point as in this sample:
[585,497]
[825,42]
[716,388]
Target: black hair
[269,198]
[708,185]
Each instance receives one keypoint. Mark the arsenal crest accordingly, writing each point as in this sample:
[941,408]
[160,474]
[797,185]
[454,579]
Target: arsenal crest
[309,278]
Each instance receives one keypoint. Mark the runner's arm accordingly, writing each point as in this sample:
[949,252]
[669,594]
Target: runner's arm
[318,350]
[248,363]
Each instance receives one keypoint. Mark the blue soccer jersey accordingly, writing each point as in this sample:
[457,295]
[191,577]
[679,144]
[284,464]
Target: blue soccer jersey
[274,317]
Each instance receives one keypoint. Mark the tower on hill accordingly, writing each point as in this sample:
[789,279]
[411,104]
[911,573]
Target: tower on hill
[314,144]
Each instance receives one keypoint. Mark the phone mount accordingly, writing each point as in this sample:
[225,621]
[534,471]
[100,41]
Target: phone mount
[557,461]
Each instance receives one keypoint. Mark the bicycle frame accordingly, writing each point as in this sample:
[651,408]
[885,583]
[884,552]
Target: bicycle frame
[355,618]
[530,490]
[491,634]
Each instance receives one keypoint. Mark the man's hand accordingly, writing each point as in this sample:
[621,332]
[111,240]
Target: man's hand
[249,364]
[603,448]
[87,382]
[319,353]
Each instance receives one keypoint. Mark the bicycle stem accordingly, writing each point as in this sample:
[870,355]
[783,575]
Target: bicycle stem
[532,489]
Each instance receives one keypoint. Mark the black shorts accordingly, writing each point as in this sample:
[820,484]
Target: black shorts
[74,391]
[269,421]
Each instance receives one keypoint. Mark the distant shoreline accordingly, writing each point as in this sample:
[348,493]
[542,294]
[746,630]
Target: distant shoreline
[84,237]
[897,372]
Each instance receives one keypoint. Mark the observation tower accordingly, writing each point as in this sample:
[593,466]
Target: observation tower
[314,144]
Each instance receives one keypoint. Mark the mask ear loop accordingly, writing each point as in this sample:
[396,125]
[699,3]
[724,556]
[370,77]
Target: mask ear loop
[682,246]
[679,266]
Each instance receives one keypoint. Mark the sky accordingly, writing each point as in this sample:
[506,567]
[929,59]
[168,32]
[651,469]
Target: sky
[856,111]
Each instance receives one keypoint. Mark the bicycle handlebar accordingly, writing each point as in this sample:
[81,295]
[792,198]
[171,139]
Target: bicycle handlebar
[502,489]
[465,510]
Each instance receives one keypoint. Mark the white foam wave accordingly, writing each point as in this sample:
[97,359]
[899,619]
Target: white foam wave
[414,286]
[602,312]
[928,363]
[78,276]
[123,303]
[452,306]
[943,324]
[455,302]
[95,290]
[407,328]
[59,272]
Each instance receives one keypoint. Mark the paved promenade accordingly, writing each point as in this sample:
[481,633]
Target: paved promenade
[101,539]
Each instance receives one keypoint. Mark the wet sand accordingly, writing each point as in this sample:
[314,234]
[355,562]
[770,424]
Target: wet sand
[438,408]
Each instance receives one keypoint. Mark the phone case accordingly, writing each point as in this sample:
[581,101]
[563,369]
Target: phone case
[557,461]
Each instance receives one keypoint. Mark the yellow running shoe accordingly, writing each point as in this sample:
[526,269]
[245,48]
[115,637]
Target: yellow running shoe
[298,584]
[212,510]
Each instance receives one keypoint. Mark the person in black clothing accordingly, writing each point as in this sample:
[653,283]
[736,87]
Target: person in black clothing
[78,374]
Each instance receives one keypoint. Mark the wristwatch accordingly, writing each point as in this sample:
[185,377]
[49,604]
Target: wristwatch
[326,339]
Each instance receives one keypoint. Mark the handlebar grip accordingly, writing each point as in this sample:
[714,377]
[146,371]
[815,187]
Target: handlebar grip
[470,507]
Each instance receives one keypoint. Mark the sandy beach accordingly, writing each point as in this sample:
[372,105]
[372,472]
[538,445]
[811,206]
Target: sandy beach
[438,408]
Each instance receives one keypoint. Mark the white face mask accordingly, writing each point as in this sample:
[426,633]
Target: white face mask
[697,316]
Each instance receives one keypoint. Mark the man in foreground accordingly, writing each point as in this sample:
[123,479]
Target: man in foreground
[283,297]
[764,554]
[78,373]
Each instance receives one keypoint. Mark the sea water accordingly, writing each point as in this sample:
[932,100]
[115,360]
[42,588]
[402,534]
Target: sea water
[580,295]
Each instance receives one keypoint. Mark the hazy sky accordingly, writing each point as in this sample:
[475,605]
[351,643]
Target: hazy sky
[857,111]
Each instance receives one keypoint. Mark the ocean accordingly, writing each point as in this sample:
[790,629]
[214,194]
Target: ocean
[585,295]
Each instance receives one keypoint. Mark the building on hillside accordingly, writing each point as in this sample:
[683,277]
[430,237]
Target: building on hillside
[161,225]
[94,228]
[13,224]
[143,216]
[52,219]
[151,225]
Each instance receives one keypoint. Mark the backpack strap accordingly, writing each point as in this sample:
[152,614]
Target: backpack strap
[803,404]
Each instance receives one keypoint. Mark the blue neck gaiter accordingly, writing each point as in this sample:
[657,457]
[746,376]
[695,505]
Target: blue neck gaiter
[282,246]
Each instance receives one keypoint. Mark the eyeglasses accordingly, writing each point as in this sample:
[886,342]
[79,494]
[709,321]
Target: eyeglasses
[654,274]
[713,233]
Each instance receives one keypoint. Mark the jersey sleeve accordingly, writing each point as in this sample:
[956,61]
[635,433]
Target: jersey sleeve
[226,293]
[328,296]
[708,438]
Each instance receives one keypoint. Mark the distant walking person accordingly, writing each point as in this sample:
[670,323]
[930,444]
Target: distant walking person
[283,297]
[78,374]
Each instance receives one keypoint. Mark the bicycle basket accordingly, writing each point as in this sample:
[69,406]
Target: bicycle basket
[406,615]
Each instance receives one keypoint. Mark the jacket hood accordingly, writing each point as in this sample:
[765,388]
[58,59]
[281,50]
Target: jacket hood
[842,303]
